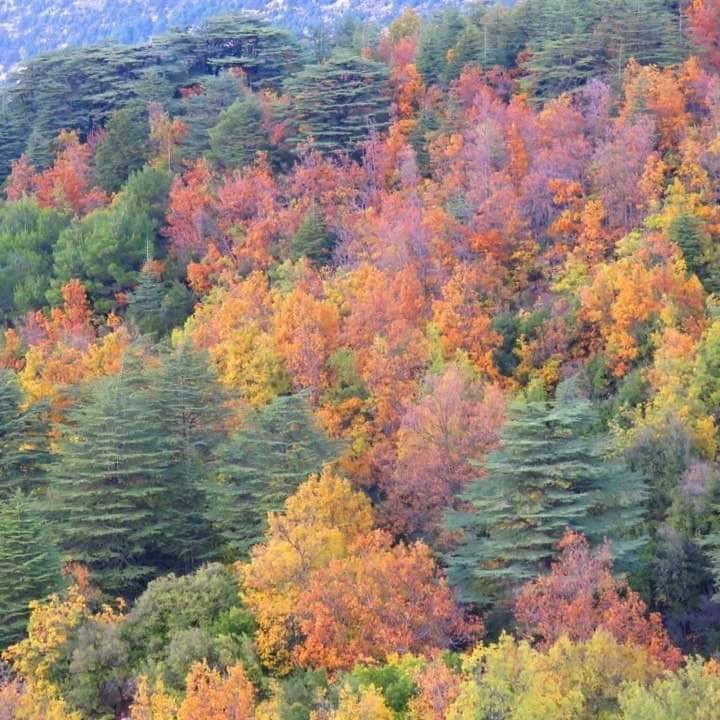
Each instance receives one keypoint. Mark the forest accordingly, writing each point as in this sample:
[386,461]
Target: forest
[369,375]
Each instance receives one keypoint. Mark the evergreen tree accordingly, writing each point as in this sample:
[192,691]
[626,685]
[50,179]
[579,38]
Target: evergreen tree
[688,232]
[109,490]
[124,148]
[312,239]
[550,474]
[27,237]
[23,439]
[191,403]
[262,464]
[340,102]
[202,109]
[145,304]
[238,134]
[29,564]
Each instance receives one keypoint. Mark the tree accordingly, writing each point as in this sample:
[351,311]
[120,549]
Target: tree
[262,464]
[203,607]
[109,493]
[509,679]
[339,103]
[106,251]
[210,696]
[238,135]
[693,693]
[321,521]
[27,237]
[152,704]
[202,105]
[550,473]
[704,17]
[124,147]
[451,427]
[191,403]
[23,439]
[368,702]
[145,303]
[581,595]
[29,564]
[312,240]
[377,601]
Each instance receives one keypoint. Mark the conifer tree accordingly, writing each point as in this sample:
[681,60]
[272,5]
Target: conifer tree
[23,439]
[263,464]
[124,148]
[191,403]
[29,564]
[238,134]
[312,240]
[551,473]
[145,304]
[109,491]
[340,102]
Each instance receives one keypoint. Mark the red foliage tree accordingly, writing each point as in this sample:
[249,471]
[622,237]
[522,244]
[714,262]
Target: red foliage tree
[380,599]
[580,596]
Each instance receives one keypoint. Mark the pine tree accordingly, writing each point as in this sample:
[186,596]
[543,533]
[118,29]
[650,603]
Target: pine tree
[23,439]
[312,239]
[29,564]
[262,464]
[550,474]
[109,491]
[191,403]
[238,134]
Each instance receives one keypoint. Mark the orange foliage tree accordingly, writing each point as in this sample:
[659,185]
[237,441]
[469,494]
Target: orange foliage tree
[380,599]
[580,596]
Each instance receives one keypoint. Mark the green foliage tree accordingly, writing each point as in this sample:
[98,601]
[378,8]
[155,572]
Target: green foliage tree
[23,439]
[312,240]
[175,617]
[191,403]
[29,564]
[340,102]
[551,472]
[261,465]
[689,233]
[201,110]
[107,248]
[238,134]
[124,147]
[693,693]
[145,304]
[28,235]
[109,491]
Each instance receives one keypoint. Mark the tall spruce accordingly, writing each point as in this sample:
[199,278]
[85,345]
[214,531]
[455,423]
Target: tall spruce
[23,440]
[552,472]
[109,490]
[261,465]
[29,563]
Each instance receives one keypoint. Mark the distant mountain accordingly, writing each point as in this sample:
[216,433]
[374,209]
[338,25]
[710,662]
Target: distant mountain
[31,27]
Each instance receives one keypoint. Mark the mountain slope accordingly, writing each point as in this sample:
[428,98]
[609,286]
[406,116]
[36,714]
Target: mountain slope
[30,27]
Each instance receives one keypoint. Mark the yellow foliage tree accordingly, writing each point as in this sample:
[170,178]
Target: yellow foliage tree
[152,704]
[318,524]
[367,704]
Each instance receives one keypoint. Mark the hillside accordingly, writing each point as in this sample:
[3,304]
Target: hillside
[38,26]
[369,377]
